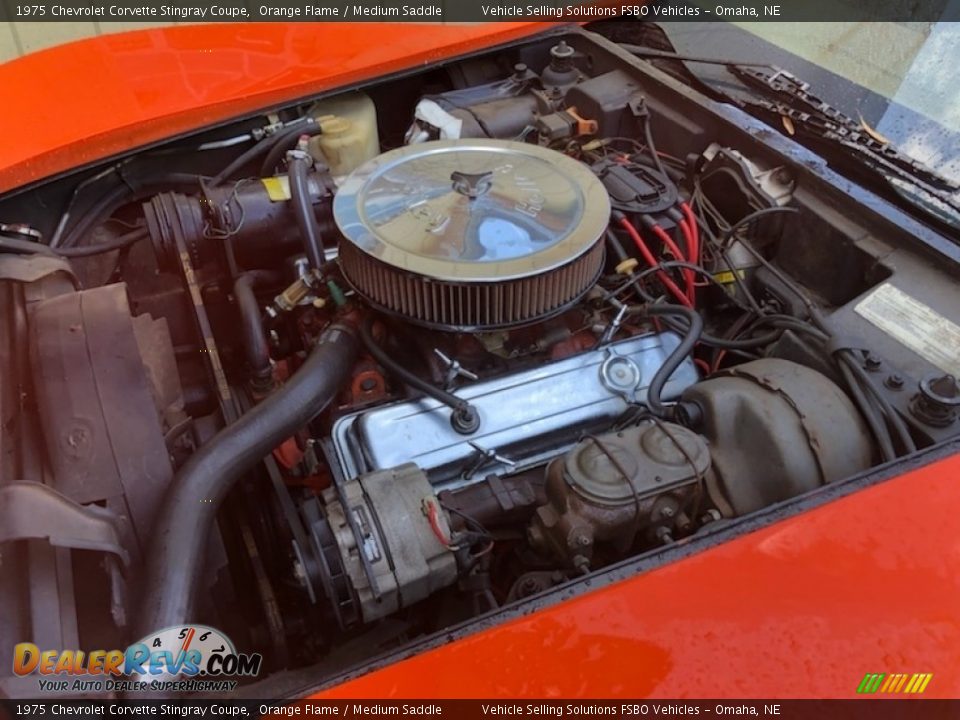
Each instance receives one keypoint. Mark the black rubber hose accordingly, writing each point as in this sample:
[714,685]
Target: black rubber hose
[616,246]
[669,264]
[753,217]
[298,168]
[886,409]
[26,246]
[104,207]
[190,506]
[869,399]
[690,338]
[706,339]
[279,138]
[255,344]
[869,413]
[752,343]
[465,418]
[651,148]
[282,145]
[119,196]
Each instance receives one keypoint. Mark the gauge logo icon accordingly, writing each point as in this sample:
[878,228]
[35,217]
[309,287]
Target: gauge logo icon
[188,651]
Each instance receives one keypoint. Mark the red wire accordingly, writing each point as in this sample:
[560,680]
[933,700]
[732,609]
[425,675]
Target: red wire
[652,262]
[483,552]
[694,232]
[716,363]
[435,524]
[688,273]
[675,251]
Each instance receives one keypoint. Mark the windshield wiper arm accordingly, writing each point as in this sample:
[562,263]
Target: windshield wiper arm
[789,99]
[810,116]
[646,52]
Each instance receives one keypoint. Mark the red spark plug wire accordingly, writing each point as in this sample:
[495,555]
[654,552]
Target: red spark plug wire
[694,232]
[652,261]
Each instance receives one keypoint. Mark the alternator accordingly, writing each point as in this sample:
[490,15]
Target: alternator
[379,548]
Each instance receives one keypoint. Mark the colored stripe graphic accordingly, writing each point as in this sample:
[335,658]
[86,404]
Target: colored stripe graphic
[913,684]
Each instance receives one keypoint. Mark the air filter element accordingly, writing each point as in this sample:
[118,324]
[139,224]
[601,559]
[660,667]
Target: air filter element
[472,234]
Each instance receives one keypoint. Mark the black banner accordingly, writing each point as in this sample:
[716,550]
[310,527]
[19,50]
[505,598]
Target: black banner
[854,709]
[154,11]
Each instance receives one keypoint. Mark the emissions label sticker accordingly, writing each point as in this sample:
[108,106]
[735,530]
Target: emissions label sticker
[918,326]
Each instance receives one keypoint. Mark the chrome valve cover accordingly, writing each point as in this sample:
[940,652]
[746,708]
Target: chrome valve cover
[525,418]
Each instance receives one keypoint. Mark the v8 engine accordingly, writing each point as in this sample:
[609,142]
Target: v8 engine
[396,358]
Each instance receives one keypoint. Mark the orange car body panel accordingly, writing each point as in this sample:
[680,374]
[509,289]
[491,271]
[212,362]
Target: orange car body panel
[801,608]
[74,104]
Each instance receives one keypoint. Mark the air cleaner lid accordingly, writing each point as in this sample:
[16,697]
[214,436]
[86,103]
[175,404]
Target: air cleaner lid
[473,210]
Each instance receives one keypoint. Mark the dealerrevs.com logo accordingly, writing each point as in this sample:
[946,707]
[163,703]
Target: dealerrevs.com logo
[178,659]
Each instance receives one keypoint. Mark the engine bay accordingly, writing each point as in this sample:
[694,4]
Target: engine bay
[374,365]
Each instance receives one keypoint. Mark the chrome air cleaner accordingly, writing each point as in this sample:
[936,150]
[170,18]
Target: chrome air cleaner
[472,234]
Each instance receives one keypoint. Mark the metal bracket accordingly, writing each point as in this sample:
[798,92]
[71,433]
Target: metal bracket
[454,370]
[30,268]
[358,535]
[484,458]
[34,511]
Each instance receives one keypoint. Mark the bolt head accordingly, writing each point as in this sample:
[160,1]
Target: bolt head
[582,540]
[894,381]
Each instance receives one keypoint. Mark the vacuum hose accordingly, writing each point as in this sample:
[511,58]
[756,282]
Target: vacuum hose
[254,337]
[465,419]
[298,168]
[691,335]
[190,506]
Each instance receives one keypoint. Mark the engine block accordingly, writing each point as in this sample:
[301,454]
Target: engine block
[526,418]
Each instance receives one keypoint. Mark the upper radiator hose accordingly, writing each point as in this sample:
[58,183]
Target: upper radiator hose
[191,504]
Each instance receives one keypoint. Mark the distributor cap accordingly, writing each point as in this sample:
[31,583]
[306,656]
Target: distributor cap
[635,188]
